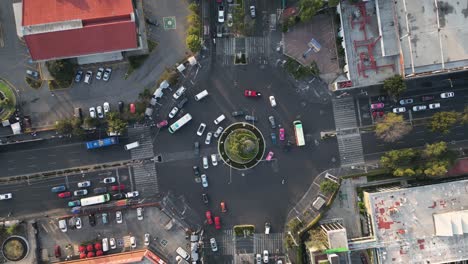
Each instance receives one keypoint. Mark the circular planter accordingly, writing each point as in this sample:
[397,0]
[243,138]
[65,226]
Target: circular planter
[241,146]
[15,248]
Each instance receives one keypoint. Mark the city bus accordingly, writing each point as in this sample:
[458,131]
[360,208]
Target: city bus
[99,199]
[102,142]
[299,133]
[180,123]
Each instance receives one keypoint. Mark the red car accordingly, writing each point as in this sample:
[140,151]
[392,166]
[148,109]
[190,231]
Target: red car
[132,108]
[208,217]
[223,207]
[58,252]
[281,133]
[64,195]
[161,124]
[217,221]
[376,114]
[251,93]
[118,187]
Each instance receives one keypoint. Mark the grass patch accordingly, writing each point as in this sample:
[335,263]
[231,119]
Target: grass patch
[8,103]
[135,63]
[300,72]
[54,85]
[244,230]
[371,173]
[36,84]
[152,45]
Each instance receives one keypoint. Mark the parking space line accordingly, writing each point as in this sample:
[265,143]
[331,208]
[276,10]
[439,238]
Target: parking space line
[131,178]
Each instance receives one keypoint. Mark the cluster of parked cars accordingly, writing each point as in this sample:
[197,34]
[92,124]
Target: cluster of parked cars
[101,74]
[377,108]
[99,111]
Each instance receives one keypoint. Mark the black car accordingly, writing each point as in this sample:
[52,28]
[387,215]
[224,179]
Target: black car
[196,148]
[78,76]
[182,103]
[196,171]
[205,198]
[92,219]
[100,190]
[118,196]
[425,98]
[237,113]
[121,106]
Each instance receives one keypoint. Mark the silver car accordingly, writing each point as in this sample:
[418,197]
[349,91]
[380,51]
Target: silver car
[204,180]
[173,112]
[218,132]
[208,138]
[399,110]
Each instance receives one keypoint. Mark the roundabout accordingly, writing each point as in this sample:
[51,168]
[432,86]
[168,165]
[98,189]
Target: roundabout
[15,248]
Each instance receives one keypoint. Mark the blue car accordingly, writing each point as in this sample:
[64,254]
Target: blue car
[273,138]
[74,203]
[58,189]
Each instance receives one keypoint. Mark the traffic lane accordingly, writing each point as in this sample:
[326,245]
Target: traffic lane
[419,136]
[36,196]
[49,156]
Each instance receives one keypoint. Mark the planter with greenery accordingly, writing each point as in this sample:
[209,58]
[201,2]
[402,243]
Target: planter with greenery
[241,146]
[36,84]
[7,101]
[63,72]
[244,230]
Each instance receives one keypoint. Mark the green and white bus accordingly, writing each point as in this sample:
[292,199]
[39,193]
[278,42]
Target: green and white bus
[299,133]
[99,199]
[180,123]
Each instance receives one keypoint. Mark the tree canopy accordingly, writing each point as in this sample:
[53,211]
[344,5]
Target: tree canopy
[443,121]
[395,85]
[392,128]
[115,125]
[308,8]
[328,187]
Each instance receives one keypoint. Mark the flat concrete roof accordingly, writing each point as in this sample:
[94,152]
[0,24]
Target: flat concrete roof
[433,38]
[403,223]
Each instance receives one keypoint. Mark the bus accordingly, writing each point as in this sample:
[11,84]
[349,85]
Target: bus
[180,123]
[102,142]
[99,199]
[299,133]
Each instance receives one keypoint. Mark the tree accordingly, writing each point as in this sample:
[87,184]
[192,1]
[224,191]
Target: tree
[193,7]
[193,20]
[392,128]
[435,150]
[402,172]
[333,3]
[145,95]
[64,126]
[90,123]
[63,71]
[397,159]
[443,121]
[436,168]
[115,124]
[395,85]
[328,187]
[193,43]
[308,8]
[464,116]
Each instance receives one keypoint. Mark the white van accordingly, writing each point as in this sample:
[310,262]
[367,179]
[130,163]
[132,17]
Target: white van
[132,145]
[201,95]
[183,253]
[219,119]
[105,244]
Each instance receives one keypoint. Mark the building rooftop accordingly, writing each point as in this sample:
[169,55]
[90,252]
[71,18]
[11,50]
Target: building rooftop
[50,11]
[420,224]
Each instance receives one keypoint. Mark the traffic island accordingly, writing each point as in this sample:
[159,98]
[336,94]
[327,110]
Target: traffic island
[241,146]
[15,248]
[7,101]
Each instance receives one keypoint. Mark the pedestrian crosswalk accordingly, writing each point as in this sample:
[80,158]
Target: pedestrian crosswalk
[272,242]
[143,136]
[344,113]
[226,243]
[146,178]
[256,49]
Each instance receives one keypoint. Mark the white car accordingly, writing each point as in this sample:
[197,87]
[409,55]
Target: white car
[81,192]
[63,225]
[140,213]
[147,239]
[173,112]
[109,180]
[106,107]
[118,217]
[221,14]
[78,223]
[112,243]
[258,259]
[419,108]
[252,11]
[434,106]
[6,196]
[265,256]
[218,132]
[447,95]
[214,159]
[219,119]
[201,129]
[399,110]
[100,114]
[133,241]
[179,92]
[132,194]
[272,101]
[214,246]
[88,77]
[99,73]
[92,112]
[84,184]
[208,138]
[107,74]
[205,162]
[204,180]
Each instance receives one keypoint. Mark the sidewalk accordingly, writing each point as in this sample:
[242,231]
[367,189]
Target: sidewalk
[27,137]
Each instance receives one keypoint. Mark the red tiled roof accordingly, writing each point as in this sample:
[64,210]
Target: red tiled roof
[47,11]
[87,40]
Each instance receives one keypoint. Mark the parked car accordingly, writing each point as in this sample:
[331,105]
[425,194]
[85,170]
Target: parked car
[406,101]
[214,247]
[376,114]
[219,31]
[173,112]
[221,14]
[229,20]
[196,148]
[118,196]
[162,124]
[107,74]
[6,196]
[78,223]
[425,98]
[133,241]
[269,156]
[208,217]
[132,194]
[112,243]
[223,207]
[106,107]
[78,76]
[272,101]
[84,184]
[196,170]
[204,180]
[33,74]
[109,180]
[250,118]
[205,162]
[88,77]
[63,225]
[208,138]
[399,110]
[104,217]
[258,258]
[252,93]
[80,192]
[182,102]
[118,217]
[281,134]
[434,106]
[74,203]
[100,190]
[218,132]
[92,112]
[377,106]
[214,159]
[179,92]
[217,222]
[265,256]
[64,194]
[121,106]
[119,187]
[201,129]
[252,11]
[57,251]
[140,213]
[272,121]
[147,239]
[205,198]
[132,108]
[99,73]
[447,95]
[237,113]
[92,219]
[273,138]
[100,114]
[57,189]
[419,108]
